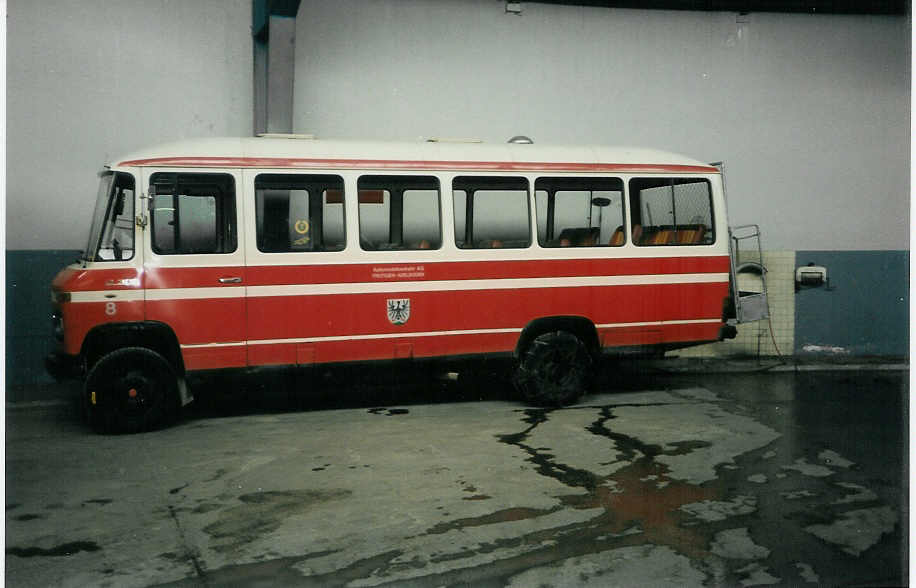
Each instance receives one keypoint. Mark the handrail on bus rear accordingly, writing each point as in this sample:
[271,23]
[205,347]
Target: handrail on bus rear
[735,237]
[754,235]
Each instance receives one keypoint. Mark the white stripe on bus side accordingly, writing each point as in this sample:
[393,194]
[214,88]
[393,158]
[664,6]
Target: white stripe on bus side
[431,334]
[193,293]
[384,287]
[498,284]
[107,296]
[658,323]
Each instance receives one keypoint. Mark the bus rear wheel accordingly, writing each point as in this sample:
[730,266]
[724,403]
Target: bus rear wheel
[131,390]
[554,370]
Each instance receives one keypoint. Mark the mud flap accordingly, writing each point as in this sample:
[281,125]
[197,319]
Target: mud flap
[184,395]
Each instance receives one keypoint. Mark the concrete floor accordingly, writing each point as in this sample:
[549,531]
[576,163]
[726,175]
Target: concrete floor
[657,480]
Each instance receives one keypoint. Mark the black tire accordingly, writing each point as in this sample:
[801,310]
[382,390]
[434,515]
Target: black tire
[554,370]
[131,390]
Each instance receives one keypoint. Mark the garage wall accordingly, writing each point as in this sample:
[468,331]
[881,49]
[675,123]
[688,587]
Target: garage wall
[809,112]
[90,80]
[87,81]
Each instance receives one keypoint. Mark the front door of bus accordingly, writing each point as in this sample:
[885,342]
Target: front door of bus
[195,263]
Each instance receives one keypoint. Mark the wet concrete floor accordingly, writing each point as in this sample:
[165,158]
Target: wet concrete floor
[393,477]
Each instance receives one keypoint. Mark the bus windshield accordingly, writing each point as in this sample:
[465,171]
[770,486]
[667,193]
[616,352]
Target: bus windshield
[111,235]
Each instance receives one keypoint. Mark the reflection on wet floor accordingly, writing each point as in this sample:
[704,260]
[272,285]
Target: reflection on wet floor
[638,497]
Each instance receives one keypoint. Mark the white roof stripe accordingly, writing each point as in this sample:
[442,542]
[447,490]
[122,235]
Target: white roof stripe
[420,151]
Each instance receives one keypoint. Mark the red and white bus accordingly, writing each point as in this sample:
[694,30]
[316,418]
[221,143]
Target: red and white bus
[288,251]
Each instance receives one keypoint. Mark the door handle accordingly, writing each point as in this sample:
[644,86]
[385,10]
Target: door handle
[233,280]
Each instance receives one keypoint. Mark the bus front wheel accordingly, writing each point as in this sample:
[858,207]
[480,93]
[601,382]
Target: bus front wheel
[131,390]
[554,370]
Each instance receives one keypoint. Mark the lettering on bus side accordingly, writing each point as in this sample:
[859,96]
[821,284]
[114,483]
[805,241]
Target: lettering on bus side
[402,272]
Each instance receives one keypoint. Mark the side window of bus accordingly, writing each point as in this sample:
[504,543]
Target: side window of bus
[671,211]
[579,212]
[399,213]
[299,213]
[193,213]
[117,237]
[491,212]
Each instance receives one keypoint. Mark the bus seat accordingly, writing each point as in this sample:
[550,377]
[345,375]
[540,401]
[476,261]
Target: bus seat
[589,237]
[663,237]
[691,235]
[637,234]
[657,236]
[617,237]
[580,236]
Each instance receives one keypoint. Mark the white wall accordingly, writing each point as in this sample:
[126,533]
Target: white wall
[810,112]
[88,80]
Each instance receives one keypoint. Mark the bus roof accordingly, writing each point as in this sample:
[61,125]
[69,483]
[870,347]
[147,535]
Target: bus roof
[306,153]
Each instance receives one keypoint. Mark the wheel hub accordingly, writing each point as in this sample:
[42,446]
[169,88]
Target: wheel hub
[136,392]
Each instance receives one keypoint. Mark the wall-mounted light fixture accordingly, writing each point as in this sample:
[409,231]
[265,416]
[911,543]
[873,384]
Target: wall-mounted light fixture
[513,7]
[811,276]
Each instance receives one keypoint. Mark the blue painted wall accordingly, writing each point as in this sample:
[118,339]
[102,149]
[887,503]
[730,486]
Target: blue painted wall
[865,311]
[28,314]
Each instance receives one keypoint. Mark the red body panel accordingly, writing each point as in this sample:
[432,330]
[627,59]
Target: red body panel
[206,320]
[191,277]
[286,317]
[212,358]
[216,321]
[80,317]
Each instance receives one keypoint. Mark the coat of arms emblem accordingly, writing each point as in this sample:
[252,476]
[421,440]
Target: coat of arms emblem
[398,310]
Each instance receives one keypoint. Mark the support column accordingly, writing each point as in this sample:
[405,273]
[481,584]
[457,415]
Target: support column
[281,65]
[274,35]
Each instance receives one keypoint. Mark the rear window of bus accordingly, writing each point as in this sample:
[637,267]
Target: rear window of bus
[671,211]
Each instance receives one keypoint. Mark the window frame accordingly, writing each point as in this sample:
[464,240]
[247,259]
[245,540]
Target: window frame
[103,226]
[226,216]
[288,180]
[470,215]
[555,185]
[395,186]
